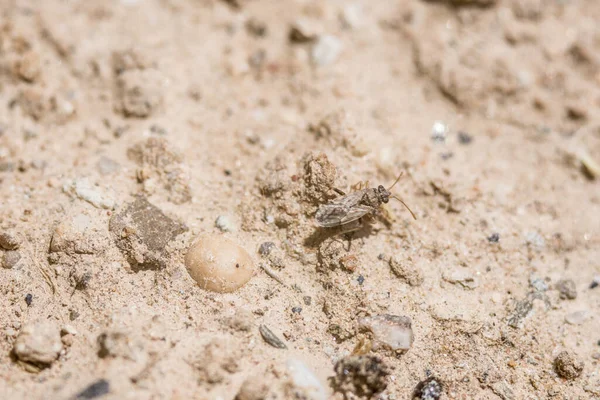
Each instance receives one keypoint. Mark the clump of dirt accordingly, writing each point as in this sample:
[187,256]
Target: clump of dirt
[360,377]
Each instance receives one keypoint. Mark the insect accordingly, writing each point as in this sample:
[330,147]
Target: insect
[351,207]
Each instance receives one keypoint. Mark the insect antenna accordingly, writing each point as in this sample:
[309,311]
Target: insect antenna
[396,181]
[407,207]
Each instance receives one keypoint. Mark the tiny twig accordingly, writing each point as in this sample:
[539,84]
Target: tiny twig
[272,274]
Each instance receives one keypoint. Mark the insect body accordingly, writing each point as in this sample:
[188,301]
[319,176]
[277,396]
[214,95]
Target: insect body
[356,205]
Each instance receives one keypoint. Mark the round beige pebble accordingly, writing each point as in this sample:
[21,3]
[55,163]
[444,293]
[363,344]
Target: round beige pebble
[218,264]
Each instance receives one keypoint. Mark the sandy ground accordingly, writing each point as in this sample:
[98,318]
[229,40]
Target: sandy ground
[253,111]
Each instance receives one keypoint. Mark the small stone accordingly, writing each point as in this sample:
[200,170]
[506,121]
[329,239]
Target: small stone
[362,376]
[538,283]
[567,365]
[326,50]
[439,131]
[266,248]
[142,231]
[225,224]
[296,310]
[595,283]
[360,279]
[28,299]
[307,300]
[390,331]
[522,310]
[96,389]
[219,264]
[271,338]
[567,289]
[38,343]
[576,318]
[535,239]
[303,382]
[10,240]
[304,31]
[464,138]
[494,237]
[429,389]
[10,259]
[93,194]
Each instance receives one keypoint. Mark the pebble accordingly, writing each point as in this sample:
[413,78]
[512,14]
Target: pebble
[142,231]
[567,365]
[304,31]
[10,259]
[494,237]
[567,289]
[266,248]
[10,240]
[522,310]
[271,338]
[83,189]
[225,224]
[576,318]
[464,138]
[535,239]
[305,384]
[326,50]
[390,331]
[219,264]
[429,389]
[538,283]
[96,389]
[596,282]
[439,131]
[38,343]
[28,299]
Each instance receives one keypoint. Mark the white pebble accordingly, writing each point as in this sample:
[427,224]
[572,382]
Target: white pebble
[38,343]
[83,189]
[326,50]
[305,384]
[392,331]
[439,131]
[225,224]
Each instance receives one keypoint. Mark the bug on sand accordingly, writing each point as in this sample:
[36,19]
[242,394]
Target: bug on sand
[351,207]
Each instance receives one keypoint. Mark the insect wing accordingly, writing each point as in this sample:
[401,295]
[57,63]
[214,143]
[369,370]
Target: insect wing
[330,215]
